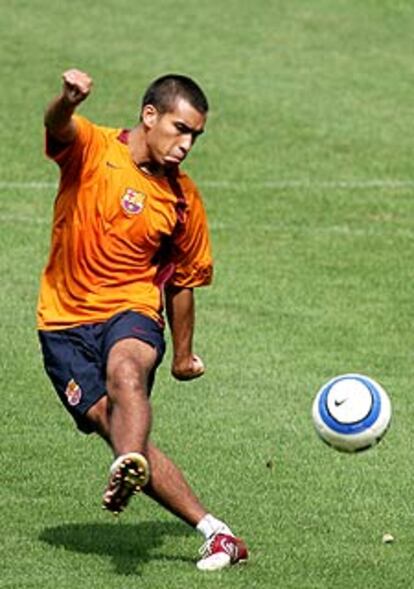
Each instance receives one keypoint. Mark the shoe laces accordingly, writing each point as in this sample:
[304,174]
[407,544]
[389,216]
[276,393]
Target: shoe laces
[205,549]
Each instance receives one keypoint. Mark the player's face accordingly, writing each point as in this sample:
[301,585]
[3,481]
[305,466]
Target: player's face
[171,135]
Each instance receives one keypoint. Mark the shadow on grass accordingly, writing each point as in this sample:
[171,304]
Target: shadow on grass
[129,545]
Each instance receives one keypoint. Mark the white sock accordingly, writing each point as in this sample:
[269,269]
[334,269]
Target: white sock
[209,526]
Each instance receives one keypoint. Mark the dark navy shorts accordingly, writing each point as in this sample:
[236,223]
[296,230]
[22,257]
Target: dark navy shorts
[75,358]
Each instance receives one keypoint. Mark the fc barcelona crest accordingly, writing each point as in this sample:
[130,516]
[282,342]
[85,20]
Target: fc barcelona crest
[132,201]
[73,393]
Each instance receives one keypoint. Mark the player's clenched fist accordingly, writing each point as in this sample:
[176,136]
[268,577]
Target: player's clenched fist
[188,369]
[76,86]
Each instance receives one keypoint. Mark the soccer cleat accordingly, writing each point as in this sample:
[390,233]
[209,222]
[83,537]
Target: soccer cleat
[221,551]
[129,473]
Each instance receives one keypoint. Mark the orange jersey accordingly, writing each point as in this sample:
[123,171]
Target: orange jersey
[118,234]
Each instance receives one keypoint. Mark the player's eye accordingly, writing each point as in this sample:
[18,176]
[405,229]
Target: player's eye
[182,128]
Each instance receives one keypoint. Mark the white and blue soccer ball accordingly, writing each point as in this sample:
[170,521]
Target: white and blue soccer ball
[351,412]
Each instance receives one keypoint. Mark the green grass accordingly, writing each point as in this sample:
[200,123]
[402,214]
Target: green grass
[306,170]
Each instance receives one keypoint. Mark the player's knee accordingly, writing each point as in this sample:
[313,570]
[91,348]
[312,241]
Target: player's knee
[124,380]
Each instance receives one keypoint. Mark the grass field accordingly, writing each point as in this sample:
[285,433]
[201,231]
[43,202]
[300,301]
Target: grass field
[307,175]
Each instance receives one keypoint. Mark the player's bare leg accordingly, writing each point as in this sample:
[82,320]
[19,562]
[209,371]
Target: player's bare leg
[130,362]
[169,488]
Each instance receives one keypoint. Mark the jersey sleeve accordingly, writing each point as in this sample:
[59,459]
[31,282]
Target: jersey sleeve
[192,259]
[86,146]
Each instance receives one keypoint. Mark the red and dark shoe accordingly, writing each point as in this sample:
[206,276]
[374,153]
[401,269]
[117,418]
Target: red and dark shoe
[221,551]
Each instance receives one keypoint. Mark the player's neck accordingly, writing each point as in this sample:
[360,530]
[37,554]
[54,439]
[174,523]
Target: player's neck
[151,169]
[140,155]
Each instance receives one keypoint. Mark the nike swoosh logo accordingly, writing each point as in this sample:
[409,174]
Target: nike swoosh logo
[339,403]
[113,166]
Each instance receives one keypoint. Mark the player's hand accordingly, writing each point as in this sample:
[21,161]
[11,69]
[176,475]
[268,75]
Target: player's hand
[188,368]
[76,86]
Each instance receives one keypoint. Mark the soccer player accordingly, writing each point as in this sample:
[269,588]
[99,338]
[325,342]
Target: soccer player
[129,238]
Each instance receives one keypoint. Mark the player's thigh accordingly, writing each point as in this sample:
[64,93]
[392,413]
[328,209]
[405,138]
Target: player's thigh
[130,364]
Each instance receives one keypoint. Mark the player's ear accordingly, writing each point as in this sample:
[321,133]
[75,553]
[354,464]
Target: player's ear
[149,115]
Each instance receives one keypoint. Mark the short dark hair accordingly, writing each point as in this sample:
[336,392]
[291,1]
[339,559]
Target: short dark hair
[164,91]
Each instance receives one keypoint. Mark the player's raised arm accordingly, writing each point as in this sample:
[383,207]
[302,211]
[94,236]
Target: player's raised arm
[58,116]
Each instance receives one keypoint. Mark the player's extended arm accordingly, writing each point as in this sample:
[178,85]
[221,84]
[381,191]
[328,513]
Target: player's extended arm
[58,116]
[181,315]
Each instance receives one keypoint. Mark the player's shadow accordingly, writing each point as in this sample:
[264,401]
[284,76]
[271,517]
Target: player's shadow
[129,545]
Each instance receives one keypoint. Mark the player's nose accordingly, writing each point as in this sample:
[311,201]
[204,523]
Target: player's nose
[186,143]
